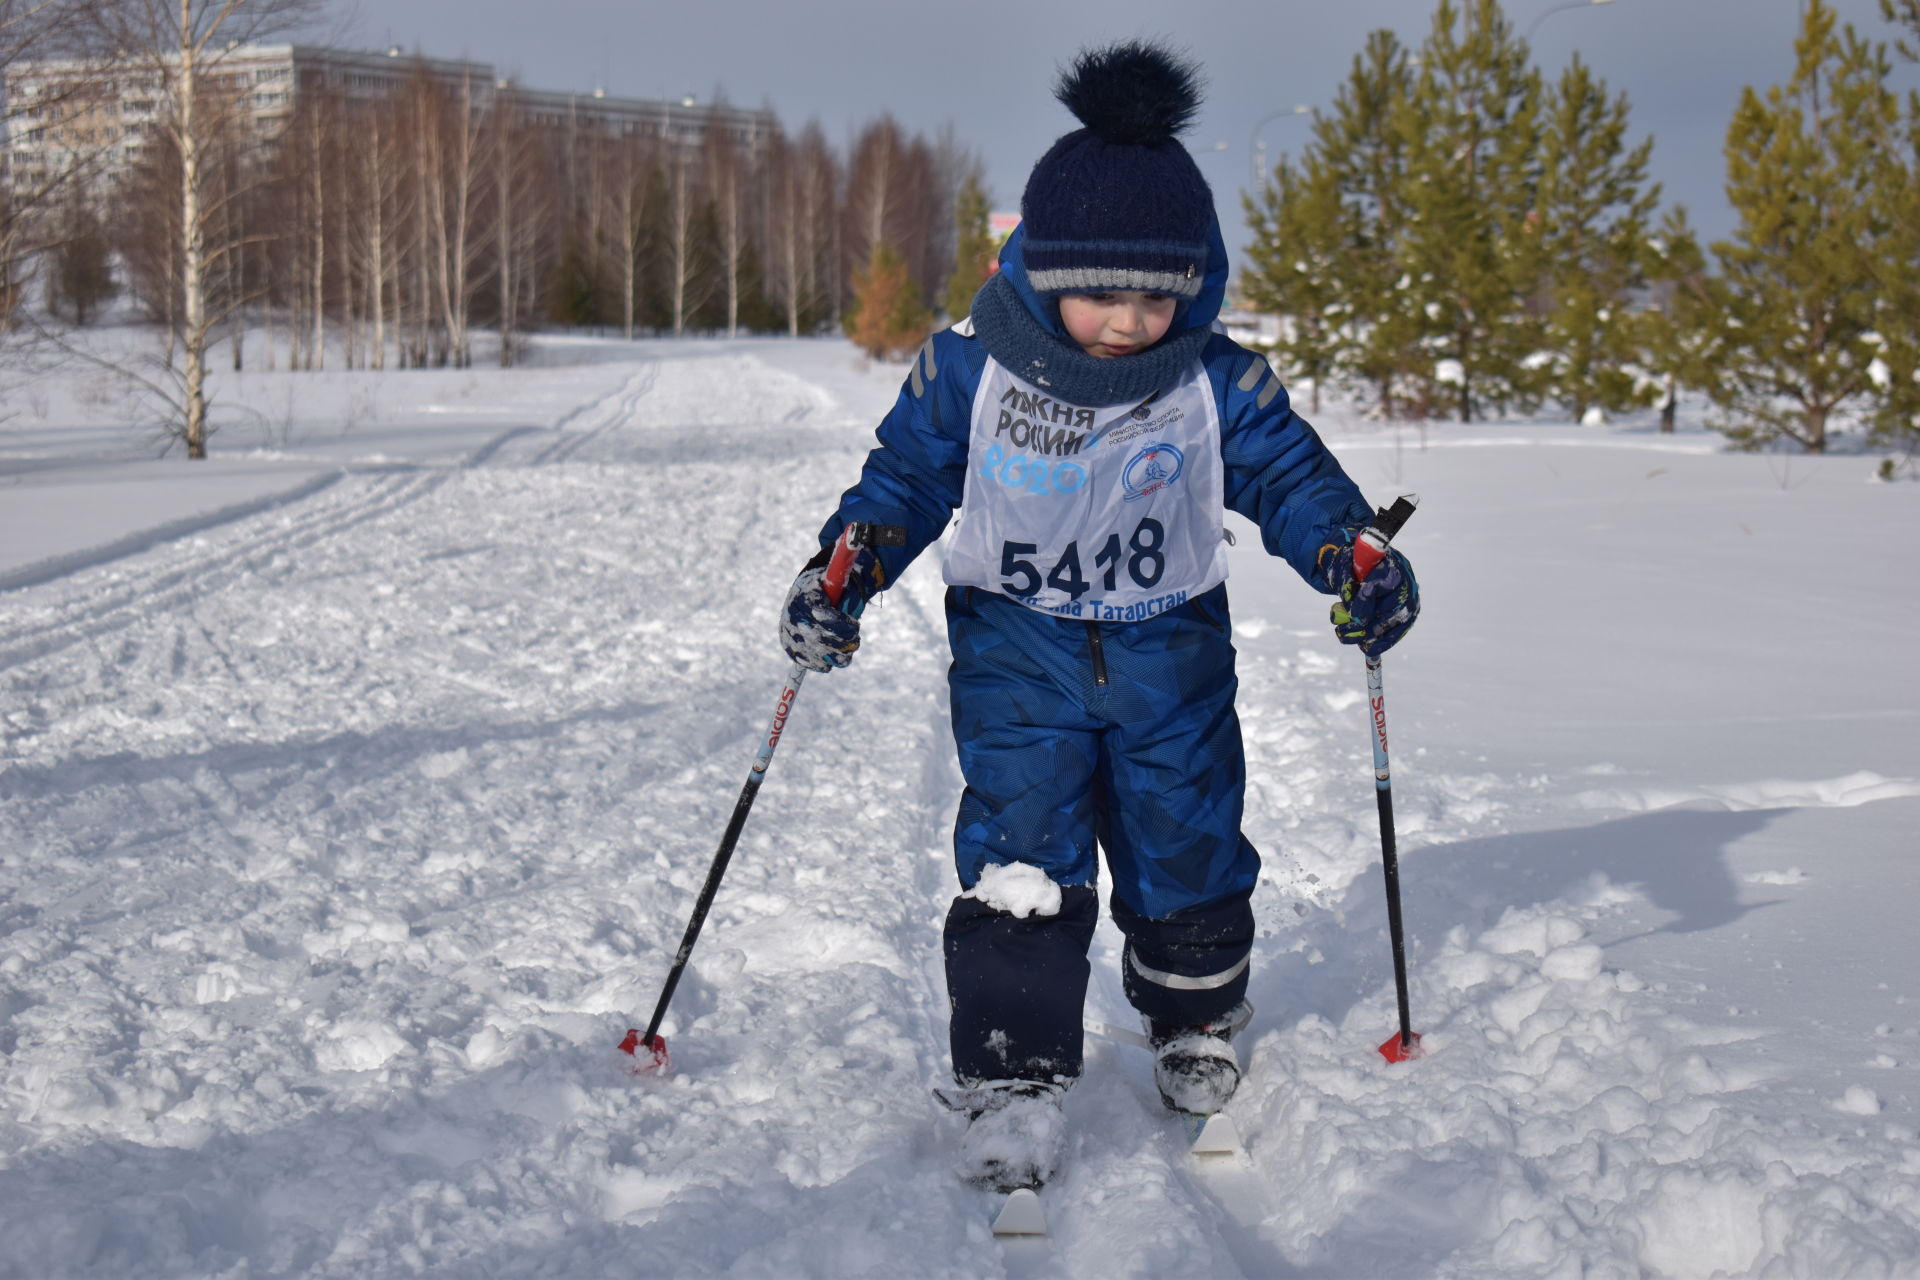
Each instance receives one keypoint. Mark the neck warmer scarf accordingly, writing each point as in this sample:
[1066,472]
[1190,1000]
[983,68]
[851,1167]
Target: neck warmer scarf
[1028,351]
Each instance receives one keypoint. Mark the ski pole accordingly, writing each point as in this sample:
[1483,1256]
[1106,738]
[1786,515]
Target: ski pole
[852,538]
[1368,550]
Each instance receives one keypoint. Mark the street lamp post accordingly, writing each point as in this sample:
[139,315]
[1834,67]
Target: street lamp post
[1561,8]
[1259,148]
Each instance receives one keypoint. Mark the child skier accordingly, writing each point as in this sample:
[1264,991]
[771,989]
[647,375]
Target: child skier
[1090,425]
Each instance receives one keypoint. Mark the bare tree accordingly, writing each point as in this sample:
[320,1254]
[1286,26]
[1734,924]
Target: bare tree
[624,215]
[801,213]
[374,217]
[450,139]
[688,280]
[180,45]
[895,198]
[67,108]
[522,180]
[727,182]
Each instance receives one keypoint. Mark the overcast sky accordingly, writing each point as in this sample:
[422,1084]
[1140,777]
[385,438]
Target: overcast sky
[987,66]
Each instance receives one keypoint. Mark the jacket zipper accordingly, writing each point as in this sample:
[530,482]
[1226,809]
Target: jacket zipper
[1097,654]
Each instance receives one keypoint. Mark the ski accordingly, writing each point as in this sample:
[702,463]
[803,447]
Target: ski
[1207,1135]
[1213,1135]
[1019,1213]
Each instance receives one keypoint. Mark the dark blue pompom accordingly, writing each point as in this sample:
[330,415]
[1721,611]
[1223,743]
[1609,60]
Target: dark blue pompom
[1131,93]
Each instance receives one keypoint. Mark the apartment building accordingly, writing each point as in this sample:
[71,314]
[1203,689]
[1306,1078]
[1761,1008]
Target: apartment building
[98,117]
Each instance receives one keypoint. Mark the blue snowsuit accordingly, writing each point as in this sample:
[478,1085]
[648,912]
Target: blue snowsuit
[1073,733]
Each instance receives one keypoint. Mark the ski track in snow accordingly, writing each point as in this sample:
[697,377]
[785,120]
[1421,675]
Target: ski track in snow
[340,843]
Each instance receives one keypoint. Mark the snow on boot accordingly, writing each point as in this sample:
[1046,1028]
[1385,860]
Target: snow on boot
[1195,1067]
[1015,1132]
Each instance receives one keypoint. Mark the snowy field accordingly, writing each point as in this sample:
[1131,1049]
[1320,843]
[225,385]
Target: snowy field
[356,785]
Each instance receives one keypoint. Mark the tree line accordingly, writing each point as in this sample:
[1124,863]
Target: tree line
[386,230]
[1463,237]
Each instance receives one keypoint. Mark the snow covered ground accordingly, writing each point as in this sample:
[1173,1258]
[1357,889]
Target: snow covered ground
[342,835]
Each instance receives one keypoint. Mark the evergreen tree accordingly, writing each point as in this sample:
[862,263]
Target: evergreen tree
[654,279]
[886,318]
[1896,420]
[1904,13]
[1472,128]
[574,296]
[1814,173]
[707,304]
[1678,291]
[758,312]
[1594,207]
[974,248]
[1363,153]
[1297,268]
[81,279]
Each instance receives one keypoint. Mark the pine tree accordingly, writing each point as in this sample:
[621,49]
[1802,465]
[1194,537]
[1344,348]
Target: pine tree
[1814,174]
[1905,13]
[758,313]
[974,248]
[1678,347]
[1896,419]
[1360,146]
[81,279]
[574,296]
[886,319]
[1297,268]
[1473,252]
[1594,206]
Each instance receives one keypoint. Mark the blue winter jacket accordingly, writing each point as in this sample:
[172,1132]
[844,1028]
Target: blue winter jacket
[1278,472]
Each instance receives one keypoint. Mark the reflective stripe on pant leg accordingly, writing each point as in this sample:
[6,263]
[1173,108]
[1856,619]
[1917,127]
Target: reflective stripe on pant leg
[1016,988]
[1191,967]
[1180,981]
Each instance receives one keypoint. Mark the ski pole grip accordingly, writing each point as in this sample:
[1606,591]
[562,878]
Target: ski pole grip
[1370,548]
[853,537]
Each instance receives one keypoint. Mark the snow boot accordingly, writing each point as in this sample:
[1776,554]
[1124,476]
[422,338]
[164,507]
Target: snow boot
[1195,1067]
[1015,1132]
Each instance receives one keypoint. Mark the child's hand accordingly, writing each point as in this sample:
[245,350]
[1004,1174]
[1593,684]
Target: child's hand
[1374,613]
[814,631]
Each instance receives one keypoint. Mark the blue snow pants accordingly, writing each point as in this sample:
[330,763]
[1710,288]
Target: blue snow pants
[1073,734]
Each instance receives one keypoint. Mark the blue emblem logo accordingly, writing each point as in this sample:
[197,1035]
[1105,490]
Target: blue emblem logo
[1151,470]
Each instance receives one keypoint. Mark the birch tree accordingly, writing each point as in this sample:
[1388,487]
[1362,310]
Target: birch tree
[449,153]
[801,213]
[180,45]
[625,213]
[77,106]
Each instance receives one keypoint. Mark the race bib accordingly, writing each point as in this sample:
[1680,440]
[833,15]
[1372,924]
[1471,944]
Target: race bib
[1109,514]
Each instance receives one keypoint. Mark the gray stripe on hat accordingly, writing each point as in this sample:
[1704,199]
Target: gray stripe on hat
[1181,982]
[1103,279]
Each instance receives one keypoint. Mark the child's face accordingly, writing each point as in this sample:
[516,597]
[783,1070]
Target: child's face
[1118,322]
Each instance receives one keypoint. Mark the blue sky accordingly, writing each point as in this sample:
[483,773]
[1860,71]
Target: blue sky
[986,66]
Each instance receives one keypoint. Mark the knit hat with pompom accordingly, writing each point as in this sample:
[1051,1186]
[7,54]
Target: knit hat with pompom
[1120,204]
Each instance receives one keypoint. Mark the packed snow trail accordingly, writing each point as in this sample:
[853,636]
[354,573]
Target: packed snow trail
[341,843]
